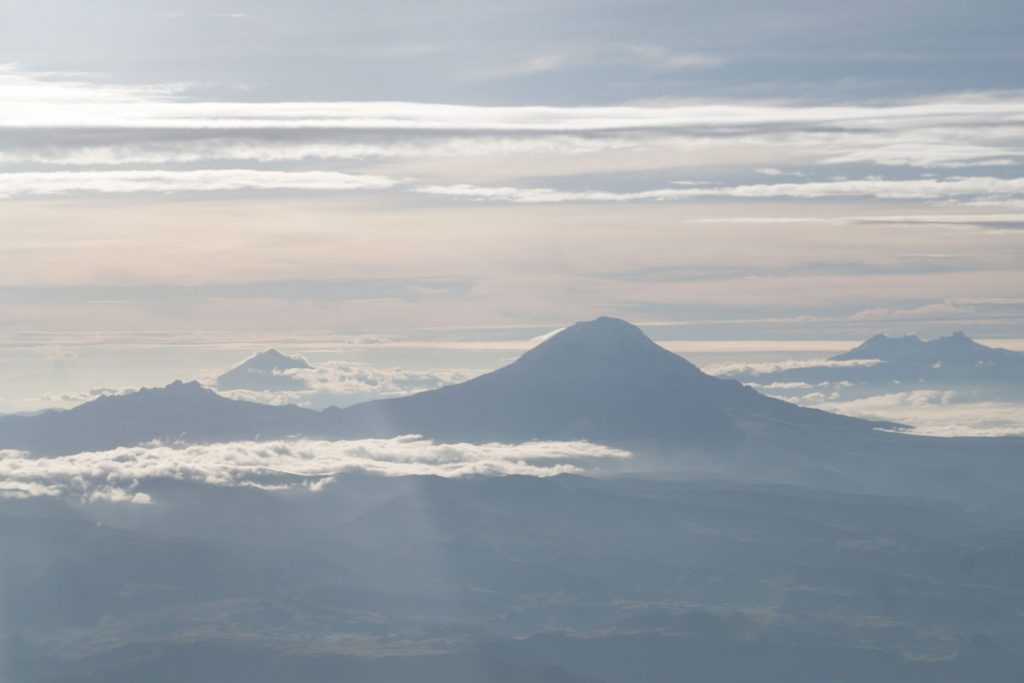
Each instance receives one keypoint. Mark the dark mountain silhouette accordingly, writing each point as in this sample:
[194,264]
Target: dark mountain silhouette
[956,350]
[263,372]
[602,380]
[181,411]
[955,361]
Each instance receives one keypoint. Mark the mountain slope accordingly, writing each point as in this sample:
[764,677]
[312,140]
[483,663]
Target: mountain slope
[602,380]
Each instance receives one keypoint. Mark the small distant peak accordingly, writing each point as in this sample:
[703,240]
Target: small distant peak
[882,346]
[886,340]
[608,321]
[274,354]
[272,359]
[960,336]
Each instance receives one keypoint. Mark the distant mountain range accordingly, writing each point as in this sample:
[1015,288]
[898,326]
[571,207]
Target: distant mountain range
[746,540]
[951,360]
[179,412]
[602,380]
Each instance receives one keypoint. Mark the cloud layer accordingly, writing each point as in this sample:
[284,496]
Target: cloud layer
[342,383]
[731,368]
[52,122]
[931,412]
[118,475]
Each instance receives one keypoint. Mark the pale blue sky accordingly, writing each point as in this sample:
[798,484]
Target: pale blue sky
[184,182]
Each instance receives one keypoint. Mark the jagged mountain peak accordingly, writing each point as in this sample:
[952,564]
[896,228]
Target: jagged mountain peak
[911,347]
[176,392]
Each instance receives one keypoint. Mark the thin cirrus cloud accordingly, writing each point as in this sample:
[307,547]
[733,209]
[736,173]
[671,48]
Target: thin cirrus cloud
[65,120]
[968,190]
[167,181]
[769,367]
[33,103]
[120,474]
[655,57]
[979,188]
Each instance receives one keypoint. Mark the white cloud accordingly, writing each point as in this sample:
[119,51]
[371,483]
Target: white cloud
[743,368]
[975,188]
[954,131]
[347,377]
[117,475]
[877,187]
[930,412]
[777,386]
[343,383]
[221,180]
[924,312]
[959,308]
[321,146]
[36,101]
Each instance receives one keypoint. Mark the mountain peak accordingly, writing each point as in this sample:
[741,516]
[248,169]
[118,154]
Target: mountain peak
[603,380]
[602,348]
[177,390]
[263,371]
[958,338]
[272,359]
[603,330]
[956,348]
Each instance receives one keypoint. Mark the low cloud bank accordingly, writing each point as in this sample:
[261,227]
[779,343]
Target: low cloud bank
[741,368]
[339,383]
[118,475]
[930,412]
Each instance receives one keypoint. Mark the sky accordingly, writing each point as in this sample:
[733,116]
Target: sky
[433,185]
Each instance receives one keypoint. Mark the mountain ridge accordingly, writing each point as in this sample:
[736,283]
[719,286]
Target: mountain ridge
[602,380]
[956,347]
